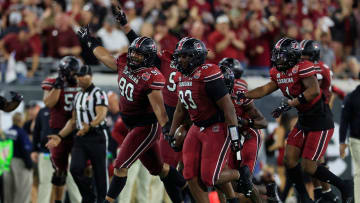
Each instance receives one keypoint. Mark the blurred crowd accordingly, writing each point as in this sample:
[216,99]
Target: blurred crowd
[243,29]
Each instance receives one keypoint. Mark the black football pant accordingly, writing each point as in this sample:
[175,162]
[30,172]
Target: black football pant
[90,147]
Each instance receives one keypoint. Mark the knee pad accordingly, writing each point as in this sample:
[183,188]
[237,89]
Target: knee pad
[59,178]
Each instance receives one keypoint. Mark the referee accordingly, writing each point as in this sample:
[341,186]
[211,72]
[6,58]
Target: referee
[90,108]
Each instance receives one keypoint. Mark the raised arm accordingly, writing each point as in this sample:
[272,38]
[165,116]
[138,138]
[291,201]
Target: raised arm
[100,52]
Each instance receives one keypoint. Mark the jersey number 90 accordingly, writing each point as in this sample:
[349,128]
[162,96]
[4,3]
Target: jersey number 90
[126,89]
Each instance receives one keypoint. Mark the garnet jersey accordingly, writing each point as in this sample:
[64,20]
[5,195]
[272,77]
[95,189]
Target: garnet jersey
[62,111]
[290,84]
[135,85]
[169,91]
[323,74]
[193,95]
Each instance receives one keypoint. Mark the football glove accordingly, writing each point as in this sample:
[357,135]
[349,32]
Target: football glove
[85,37]
[120,16]
[284,107]
[16,96]
[59,83]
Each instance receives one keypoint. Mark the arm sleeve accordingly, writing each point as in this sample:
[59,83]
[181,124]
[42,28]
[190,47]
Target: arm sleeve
[131,36]
[216,89]
[345,118]
[101,98]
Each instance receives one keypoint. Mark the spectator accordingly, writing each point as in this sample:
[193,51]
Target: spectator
[224,41]
[327,54]
[114,40]
[197,31]
[61,39]
[134,21]
[18,47]
[165,40]
[258,45]
[15,19]
[18,180]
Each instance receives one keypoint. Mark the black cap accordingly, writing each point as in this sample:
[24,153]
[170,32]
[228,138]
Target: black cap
[84,70]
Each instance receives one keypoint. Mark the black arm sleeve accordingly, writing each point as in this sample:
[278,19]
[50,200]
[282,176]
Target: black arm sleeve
[131,36]
[345,118]
[216,89]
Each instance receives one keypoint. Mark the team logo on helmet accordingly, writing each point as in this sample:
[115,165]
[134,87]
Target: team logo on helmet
[294,45]
[198,46]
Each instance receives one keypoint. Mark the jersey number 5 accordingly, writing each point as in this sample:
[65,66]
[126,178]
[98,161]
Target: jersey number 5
[188,96]
[126,89]
[68,102]
[172,82]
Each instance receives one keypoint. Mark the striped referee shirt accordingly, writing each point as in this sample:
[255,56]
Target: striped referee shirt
[85,103]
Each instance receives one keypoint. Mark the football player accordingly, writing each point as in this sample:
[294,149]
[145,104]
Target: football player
[310,50]
[250,121]
[142,110]
[309,139]
[203,96]
[58,97]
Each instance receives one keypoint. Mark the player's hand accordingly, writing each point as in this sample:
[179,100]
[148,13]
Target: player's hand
[34,156]
[84,33]
[240,95]
[120,16]
[280,110]
[54,141]
[293,102]
[59,83]
[342,150]
[85,37]
[83,130]
[16,96]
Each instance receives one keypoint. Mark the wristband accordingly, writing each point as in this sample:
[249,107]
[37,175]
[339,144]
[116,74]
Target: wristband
[301,98]
[61,137]
[250,122]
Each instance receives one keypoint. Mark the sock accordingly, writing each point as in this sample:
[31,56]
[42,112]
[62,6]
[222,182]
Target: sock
[324,175]
[173,183]
[116,186]
[233,200]
[296,176]
[318,192]
[175,177]
[106,201]
[57,201]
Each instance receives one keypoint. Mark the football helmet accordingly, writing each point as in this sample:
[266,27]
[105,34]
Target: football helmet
[68,66]
[310,48]
[234,65]
[144,46]
[285,54]
[229,77]
[189,54]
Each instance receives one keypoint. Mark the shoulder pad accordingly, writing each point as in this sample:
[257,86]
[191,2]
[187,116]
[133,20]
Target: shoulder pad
[208,72]
[47,84]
